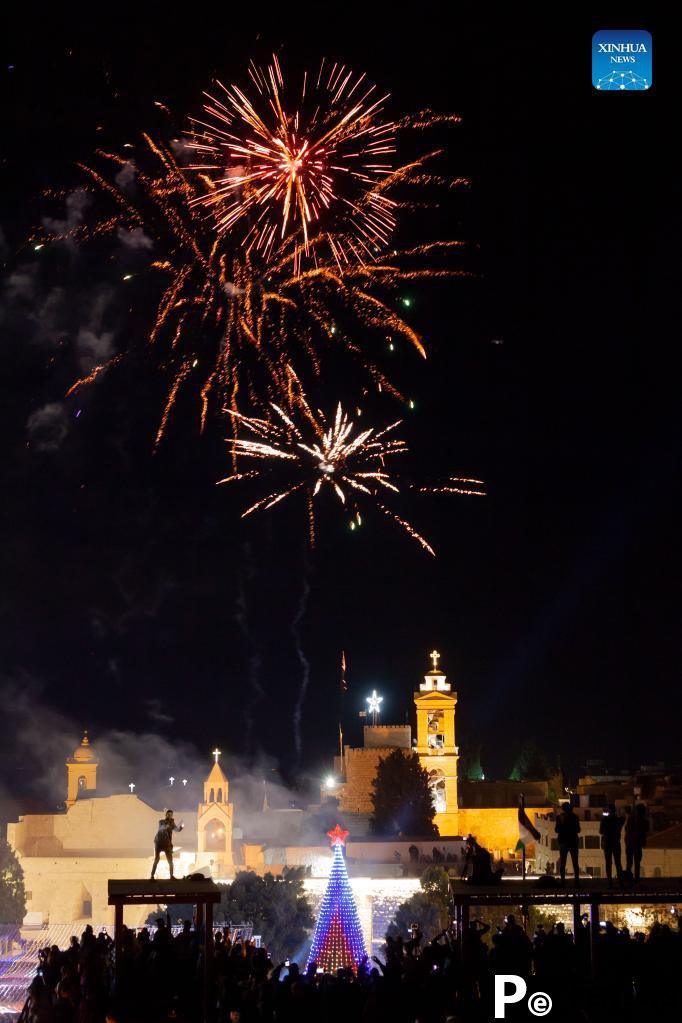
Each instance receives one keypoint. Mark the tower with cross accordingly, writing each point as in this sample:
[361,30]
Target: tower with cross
[214,823]
[435,704]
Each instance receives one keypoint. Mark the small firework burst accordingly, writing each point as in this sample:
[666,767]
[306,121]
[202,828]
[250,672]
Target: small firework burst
[303,452]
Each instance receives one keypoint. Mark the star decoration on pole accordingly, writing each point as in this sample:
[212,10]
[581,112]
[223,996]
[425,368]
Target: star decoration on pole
[374,705]
[338,836]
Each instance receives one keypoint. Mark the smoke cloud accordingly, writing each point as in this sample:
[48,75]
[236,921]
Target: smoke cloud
[41,738]
[47,427]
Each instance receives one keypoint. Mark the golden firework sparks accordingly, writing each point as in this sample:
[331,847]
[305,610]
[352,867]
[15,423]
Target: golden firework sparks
[226,320]
[300,161]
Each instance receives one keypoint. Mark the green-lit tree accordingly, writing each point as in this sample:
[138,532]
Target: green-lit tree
[530,764]
[277,907]
[401,798]
[12,893]
[470,766]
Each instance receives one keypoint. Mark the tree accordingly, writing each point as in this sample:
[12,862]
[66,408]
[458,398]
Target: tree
[430,907]
[530,765]
[276,907]
[401,798]
[12,893]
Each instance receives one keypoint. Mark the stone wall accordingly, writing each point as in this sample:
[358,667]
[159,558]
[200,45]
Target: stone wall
[74,890]
[496,828]
[360,771]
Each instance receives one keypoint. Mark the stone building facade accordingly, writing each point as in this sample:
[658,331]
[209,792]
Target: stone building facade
[69,857]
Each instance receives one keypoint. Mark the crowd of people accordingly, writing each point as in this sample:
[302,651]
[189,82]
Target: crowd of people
[413,982]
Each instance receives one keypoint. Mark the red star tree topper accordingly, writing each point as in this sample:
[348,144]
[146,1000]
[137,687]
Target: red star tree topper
[338,836]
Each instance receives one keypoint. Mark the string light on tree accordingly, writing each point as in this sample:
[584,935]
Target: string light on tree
[374,705]
[338,941]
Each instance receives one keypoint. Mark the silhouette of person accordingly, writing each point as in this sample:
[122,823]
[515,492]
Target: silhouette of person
[636,830]
[610,828]
[479,860]
[567,827]
[163,842]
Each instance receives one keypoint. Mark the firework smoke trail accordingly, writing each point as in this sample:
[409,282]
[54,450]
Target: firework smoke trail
[300,452]
[304,662]
[241,616]
[226,320]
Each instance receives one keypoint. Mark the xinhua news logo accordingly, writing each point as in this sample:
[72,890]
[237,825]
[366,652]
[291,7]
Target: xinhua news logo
[511,989]
[621,60]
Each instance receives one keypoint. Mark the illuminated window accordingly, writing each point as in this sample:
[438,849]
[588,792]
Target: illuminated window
[214,833]
[82,783]
[435,727]
[437,786]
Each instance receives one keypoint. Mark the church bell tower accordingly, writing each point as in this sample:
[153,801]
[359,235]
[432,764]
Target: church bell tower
[214,823]
[81,772]
[435,704]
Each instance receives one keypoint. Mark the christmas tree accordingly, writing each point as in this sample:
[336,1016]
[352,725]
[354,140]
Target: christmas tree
[338,940]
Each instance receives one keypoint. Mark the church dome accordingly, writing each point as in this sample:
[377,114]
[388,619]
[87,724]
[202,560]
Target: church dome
[84,754]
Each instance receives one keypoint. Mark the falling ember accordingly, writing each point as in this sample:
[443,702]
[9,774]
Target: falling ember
[300,451]
[299,161]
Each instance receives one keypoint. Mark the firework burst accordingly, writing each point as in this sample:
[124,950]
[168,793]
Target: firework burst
[299,161]
[303,452]
[226,322]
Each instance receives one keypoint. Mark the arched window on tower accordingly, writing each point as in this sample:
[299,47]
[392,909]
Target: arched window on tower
[437,786]
[214,834]
[220,795]
[436,729]
[211,796]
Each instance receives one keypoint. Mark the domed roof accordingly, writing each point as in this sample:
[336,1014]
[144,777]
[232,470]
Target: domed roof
[84,753]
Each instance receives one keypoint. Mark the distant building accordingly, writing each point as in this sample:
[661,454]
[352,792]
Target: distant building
[655,788]
[68,857]
[486,809]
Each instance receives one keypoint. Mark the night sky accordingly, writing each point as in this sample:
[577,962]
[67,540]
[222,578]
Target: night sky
[133,597]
